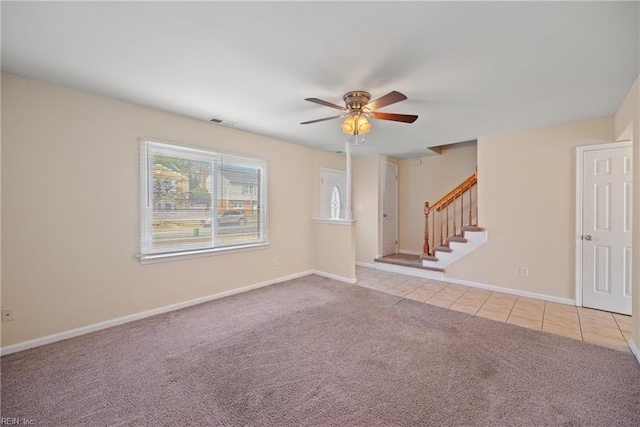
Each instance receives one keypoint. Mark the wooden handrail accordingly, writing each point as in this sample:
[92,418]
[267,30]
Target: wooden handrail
[442,206]
[453,194]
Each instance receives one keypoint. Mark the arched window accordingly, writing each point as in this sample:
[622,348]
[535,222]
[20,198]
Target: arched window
[336,204]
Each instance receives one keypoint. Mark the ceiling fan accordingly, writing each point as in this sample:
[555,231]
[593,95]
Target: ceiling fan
[359,108]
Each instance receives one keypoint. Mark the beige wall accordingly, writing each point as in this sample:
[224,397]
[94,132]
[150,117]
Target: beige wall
[526,199]
[70,190]
[627,126]
[429,181]
[334,249]
[366,175]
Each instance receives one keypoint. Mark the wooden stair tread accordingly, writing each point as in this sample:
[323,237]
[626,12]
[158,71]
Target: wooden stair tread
[457,239]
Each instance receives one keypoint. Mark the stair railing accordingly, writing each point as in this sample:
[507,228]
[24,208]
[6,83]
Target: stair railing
[445,211]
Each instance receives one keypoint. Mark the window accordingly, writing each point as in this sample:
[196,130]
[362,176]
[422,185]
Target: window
[332,194]
[336,205]
[195,201]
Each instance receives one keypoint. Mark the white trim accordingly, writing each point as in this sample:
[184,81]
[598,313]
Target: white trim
[579,186]
[409,271]
[37,342]
[365,264]
[493,288]
[404,251]
[334,221]
[199,253]
[334,277]
[634,349]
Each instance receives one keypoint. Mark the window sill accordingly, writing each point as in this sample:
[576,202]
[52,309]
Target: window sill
[334,221]
[198,253]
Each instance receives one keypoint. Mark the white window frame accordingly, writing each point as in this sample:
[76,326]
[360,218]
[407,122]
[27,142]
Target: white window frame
[151,147]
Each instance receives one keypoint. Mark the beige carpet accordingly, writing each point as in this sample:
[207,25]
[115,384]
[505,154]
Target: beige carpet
[315,352]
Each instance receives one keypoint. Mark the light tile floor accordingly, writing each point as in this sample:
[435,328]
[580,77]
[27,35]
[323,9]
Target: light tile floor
[593,326]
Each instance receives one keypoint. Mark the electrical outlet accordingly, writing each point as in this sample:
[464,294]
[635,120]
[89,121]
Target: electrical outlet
[274,261]
[8,314]
[524,271]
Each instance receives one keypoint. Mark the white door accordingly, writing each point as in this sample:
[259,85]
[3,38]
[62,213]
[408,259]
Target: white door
[333,193]
[606,229]
[390,209]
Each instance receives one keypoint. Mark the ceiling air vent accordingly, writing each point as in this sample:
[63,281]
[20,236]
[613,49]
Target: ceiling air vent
[222,122]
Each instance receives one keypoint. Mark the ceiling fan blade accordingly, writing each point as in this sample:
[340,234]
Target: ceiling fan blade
[321,120]
[325,103]
[383,101]
[405,118]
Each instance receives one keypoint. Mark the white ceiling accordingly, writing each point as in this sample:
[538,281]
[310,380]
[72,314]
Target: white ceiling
[469,69]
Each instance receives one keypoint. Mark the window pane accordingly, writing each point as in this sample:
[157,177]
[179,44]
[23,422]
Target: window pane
[181,202]
[195,200]
[238,200]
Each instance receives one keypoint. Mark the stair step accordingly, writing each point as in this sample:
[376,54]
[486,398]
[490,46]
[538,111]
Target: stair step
[429,258]
[407,263]
[443,249]
[471,228]
[457,239]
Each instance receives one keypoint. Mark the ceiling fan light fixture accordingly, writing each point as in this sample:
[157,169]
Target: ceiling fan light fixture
[356,125]
[349,125]
[363,125]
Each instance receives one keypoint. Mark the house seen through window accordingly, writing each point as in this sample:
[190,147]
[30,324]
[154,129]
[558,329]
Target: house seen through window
[195,200]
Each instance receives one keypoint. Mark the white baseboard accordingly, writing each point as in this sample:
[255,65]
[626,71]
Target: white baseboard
[334,277]
[37,342]
[634,349]
[408,252]
[493,288]
[365,264]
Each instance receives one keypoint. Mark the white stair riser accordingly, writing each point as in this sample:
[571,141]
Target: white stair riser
[475,239]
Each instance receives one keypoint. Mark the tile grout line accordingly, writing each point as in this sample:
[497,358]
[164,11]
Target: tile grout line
[511,309]
[580,324]
[618,324]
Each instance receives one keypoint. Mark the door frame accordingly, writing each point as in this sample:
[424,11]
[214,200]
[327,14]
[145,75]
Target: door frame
[579,188]
[386,164]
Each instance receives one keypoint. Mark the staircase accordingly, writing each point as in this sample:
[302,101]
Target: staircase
[451,226]
[450,232]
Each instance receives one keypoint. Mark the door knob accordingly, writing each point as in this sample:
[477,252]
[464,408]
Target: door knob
[384,215]
[588,237]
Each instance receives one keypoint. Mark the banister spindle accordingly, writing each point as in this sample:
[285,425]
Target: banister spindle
[433,234]
[477,223]
[454,215]
[470,205]
[425,247]
[461,209]
[447,219]
[440,225]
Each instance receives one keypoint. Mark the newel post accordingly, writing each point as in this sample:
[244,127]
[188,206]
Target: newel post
[425,247]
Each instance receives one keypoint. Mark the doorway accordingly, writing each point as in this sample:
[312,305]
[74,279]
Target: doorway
[603,226]
[389,208]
